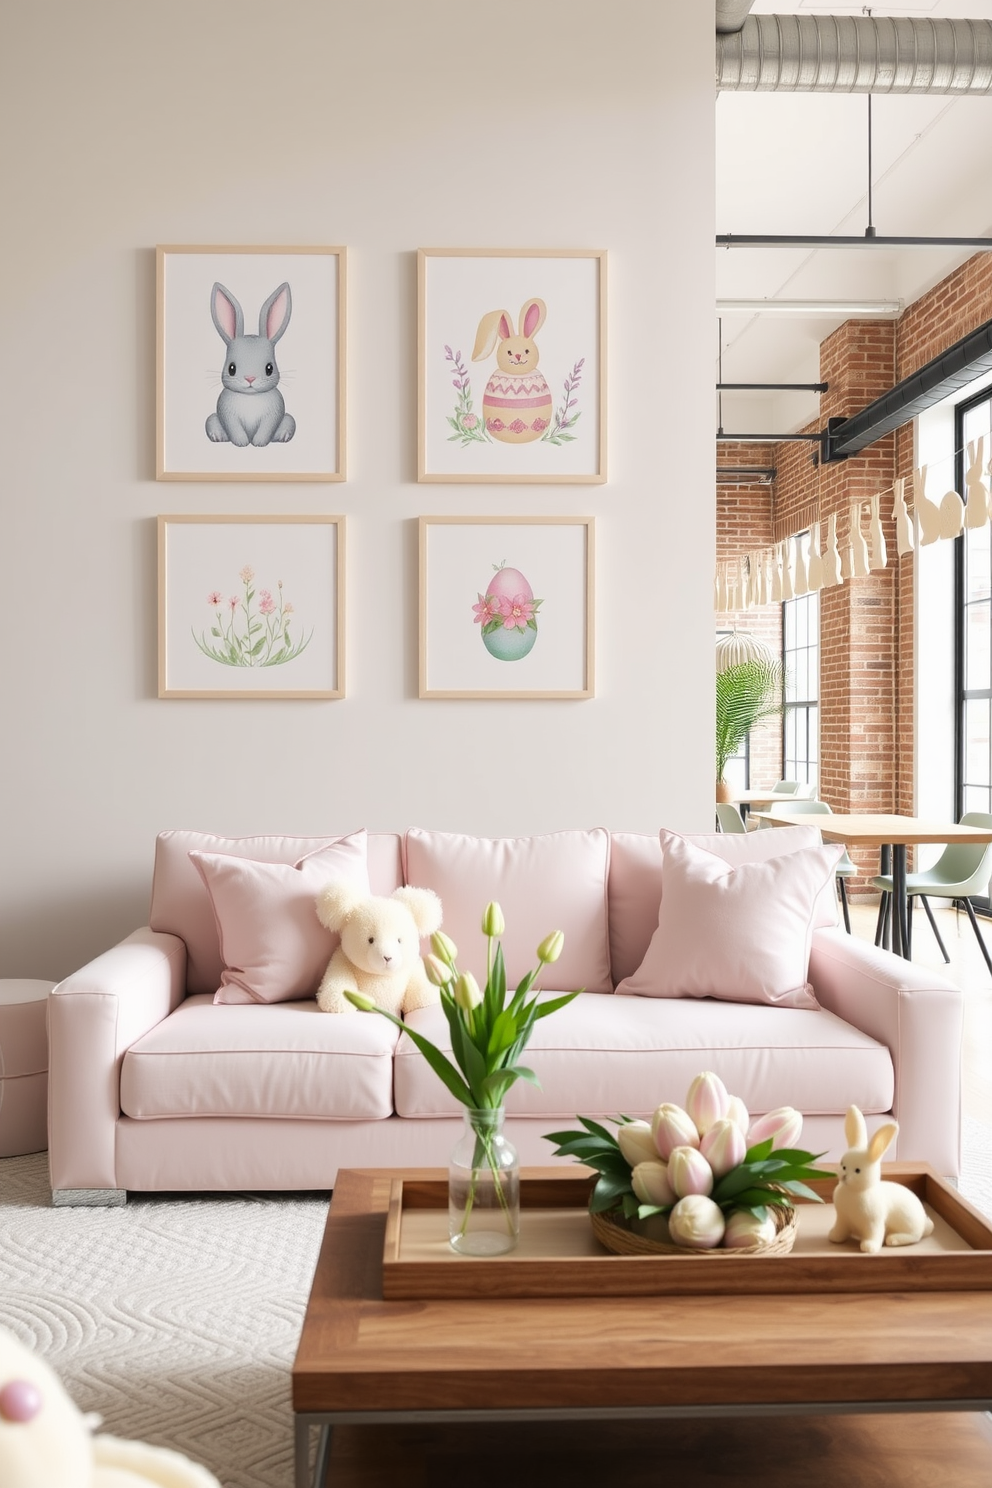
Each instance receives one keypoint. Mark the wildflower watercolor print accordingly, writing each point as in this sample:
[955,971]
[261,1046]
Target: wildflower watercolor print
[250,628]
[512,365]
[251,607]
[519,627]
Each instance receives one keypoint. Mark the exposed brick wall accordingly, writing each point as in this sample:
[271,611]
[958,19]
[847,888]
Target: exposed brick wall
[866,626]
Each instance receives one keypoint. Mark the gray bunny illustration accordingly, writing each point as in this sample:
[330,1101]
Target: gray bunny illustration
[250,408]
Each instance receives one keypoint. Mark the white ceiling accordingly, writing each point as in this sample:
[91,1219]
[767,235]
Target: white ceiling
[797,163]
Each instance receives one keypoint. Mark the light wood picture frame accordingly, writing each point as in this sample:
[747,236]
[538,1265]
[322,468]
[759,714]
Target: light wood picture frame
[507,607]
[250,363]
[251,607]
[511,365]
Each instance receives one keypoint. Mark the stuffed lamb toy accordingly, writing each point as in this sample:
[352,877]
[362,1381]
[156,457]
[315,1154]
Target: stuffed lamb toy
[46,1442]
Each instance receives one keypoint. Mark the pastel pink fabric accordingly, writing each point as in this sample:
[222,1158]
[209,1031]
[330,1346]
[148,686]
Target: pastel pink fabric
[544,883]
[636,864]
[273,946]
[180,904]
[736,934]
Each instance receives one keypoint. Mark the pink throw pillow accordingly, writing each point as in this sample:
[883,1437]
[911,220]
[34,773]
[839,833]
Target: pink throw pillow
[273,946]
[736,934]
[556,881]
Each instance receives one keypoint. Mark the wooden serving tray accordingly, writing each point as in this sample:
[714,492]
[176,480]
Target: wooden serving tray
[558,1255]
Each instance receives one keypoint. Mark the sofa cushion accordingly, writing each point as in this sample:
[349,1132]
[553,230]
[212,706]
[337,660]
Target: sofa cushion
[273,946]
[543,883]
[739,934]
[284,1060]
[181,905]
[601,1056]
[636,862]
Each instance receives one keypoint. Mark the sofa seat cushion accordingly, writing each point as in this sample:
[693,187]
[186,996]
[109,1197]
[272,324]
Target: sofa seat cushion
[282,1060]
[601,1056]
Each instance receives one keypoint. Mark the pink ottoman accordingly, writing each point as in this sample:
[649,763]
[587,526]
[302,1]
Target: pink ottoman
[23,1067]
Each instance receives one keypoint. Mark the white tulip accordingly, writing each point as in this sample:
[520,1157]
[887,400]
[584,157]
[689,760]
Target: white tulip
[696,1221]
[636,1142]
[737,1112]
[707,1101]
[745,1229]
[673,1127]
[651,1184]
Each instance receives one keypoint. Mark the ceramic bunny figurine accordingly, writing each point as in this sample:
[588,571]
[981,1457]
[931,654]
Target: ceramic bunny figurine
[869,1209]
[250,408]
[516,404]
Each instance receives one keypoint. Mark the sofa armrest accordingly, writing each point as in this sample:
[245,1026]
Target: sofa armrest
[919,1016]
[94,1016]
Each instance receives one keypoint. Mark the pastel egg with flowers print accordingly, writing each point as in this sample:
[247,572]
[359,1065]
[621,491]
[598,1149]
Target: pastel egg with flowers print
[507,614]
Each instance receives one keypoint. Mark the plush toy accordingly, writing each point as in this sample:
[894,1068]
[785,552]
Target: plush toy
[869,1209]
[45,1441]
[379,954]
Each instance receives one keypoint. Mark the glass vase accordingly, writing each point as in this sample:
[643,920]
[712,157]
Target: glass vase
[483,1187]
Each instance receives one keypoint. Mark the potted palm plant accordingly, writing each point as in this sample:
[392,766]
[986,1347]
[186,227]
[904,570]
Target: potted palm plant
[746,692]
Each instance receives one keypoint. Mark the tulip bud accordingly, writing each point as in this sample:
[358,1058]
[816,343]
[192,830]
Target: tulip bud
[551,947]
[361,1002]
[784,1125]
[636,1142]
[466,993]
[737,1112]
[707,1101]
[649,1180]
[493,922]
[745,1229]
[443,946]
[439,973]
[672,1127]
[689,1172]
[724,1146]
[696,1221]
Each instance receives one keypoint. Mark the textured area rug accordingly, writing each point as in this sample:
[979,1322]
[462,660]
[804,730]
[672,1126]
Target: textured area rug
[176,1318]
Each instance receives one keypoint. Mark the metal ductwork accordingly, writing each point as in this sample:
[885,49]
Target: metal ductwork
[851,54]
[953,369]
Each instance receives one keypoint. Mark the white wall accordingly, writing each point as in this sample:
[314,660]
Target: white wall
[360,122]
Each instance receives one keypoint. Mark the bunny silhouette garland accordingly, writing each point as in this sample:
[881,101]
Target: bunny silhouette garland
[798,565]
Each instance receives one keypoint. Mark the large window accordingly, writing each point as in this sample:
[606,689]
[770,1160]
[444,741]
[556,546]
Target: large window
[801,710]
[974,629]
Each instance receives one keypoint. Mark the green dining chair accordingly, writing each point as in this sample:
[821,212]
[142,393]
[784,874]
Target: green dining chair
[962,869]
[845,868]
[728,818]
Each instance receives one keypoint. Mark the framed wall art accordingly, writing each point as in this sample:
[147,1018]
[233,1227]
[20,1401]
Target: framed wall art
[251,607]
[507,607]
[251,364]
[512,365]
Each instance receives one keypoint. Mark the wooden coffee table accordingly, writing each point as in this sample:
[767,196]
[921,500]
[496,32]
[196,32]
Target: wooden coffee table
[418,1365]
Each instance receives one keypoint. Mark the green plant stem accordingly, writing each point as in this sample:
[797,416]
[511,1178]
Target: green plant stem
[484,1140]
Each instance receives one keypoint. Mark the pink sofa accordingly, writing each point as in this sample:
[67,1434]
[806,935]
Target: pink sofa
[154,1087]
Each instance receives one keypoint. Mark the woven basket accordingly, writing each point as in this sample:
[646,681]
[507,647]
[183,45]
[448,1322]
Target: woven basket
[611,1230]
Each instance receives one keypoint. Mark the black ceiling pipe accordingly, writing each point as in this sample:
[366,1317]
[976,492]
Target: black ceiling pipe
[945,374]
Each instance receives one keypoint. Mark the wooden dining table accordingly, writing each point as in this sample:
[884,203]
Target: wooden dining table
[892,834]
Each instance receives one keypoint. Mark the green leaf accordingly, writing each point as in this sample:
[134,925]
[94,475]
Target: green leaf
[599,1131]
[759,1152]
[794,1187]
[745,694]
[441,1066]
[758,1196]
[552,1004]
[605,1194]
